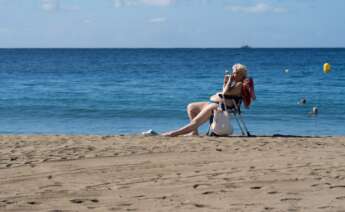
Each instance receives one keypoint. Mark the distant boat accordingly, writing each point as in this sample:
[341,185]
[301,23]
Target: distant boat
[245,47]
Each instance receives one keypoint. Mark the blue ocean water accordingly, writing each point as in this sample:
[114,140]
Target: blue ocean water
[126,91]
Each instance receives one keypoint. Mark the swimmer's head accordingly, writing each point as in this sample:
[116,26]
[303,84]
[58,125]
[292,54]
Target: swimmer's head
[302,101]
[315,110]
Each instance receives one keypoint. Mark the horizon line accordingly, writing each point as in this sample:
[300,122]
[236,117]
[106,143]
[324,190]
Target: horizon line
[246,48]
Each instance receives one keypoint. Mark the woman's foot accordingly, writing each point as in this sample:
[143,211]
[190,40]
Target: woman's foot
[174,134]
[194,133]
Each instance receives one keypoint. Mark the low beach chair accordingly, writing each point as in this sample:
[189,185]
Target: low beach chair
[232,105]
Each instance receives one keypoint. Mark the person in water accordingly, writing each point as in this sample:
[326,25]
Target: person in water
[200,112]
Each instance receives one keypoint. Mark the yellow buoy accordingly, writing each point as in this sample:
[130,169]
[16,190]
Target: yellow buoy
[326,68]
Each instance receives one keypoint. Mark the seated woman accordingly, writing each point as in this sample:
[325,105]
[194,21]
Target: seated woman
[200,112]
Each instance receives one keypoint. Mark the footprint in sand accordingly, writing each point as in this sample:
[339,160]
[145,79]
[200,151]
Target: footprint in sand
[121,205]
[124,204]
[231,185]
[290,199]
[207,192]
[199,205]
[79,201]
[114,209]
[255,187]
[272,192]
[320,184]
[325,207]
[293,209]
[14,158]
[196,186]
[7,202]
[205,185]
[341,198]
[32,203]
[337,186]
[139,196]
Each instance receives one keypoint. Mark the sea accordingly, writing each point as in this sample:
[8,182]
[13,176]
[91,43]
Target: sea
[128,91]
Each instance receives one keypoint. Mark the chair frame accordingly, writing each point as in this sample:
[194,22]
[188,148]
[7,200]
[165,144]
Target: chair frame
[235,111]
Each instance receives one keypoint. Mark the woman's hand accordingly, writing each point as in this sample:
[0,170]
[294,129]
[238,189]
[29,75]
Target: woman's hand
[226,79]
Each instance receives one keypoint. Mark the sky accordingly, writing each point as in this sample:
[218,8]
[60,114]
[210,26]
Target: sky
[171,23]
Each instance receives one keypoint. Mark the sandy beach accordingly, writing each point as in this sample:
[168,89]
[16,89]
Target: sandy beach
[136,173]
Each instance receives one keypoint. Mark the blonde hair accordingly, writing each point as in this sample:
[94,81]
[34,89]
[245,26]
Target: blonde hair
[241,69]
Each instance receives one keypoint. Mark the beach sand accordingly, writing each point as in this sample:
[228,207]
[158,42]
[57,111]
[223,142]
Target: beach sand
[136,173]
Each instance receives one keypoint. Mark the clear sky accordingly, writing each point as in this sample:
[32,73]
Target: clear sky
[172,23]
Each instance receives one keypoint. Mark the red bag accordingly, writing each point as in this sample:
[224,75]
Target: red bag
[248,92]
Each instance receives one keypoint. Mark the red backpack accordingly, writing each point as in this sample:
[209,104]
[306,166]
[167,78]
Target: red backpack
[248,92]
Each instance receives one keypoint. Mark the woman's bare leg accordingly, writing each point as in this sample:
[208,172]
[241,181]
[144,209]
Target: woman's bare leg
[201,118]
[193,109]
